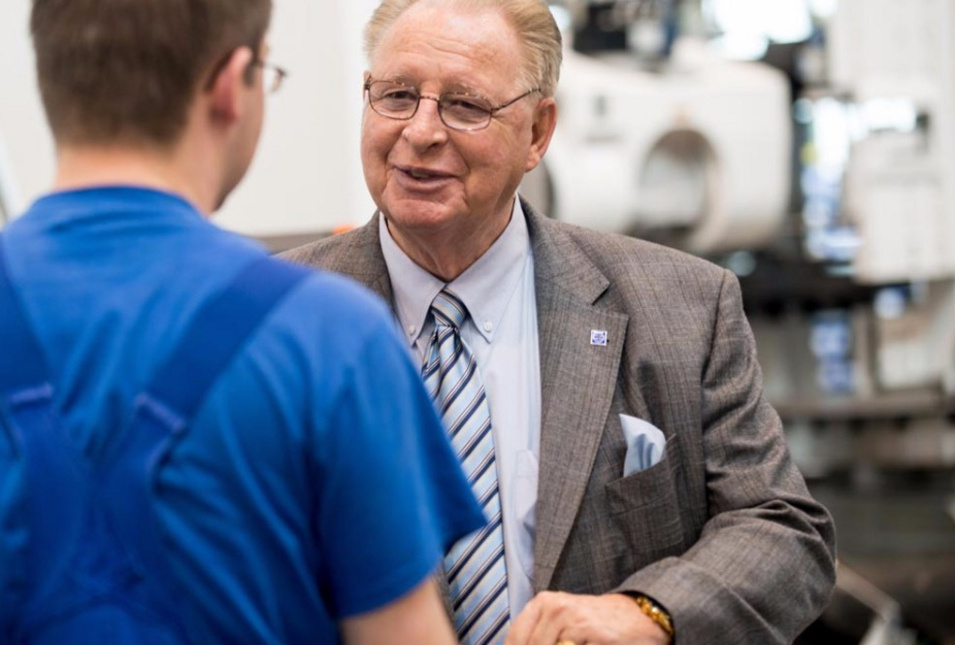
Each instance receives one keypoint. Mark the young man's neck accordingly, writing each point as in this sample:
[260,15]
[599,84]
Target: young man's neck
[85,166]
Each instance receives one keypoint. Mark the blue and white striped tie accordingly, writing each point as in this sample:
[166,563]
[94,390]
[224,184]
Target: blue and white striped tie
[477,574]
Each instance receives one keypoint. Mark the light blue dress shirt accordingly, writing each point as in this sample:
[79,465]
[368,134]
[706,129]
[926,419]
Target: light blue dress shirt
[498,290]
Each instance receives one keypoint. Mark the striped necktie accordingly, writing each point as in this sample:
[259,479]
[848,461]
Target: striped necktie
[477,575]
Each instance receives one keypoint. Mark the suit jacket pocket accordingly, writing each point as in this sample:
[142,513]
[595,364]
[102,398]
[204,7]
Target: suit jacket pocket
[645,509]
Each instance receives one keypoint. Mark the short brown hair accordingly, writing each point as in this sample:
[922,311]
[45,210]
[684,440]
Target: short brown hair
[532,20]
[125,71]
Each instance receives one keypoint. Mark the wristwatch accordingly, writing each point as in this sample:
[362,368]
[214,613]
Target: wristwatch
[654,612]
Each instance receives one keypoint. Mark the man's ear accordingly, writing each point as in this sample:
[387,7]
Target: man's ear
[545,120]
[229,85]
[364,79]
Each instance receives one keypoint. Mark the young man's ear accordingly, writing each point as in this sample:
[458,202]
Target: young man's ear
[230,82]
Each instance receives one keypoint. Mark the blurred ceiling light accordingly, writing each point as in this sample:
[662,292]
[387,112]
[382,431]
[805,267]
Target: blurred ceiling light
[823,8]
[738,46]
[745,23]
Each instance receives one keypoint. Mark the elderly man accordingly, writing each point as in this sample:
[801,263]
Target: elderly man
[637,483]
[188,454]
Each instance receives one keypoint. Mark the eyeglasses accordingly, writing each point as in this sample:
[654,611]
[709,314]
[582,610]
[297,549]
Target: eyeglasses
[458,111]
[272,75]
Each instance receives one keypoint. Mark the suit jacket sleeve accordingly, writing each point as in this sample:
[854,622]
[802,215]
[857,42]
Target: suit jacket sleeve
[762,566]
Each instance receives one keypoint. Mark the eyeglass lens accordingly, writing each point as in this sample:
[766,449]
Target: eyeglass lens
[457,111]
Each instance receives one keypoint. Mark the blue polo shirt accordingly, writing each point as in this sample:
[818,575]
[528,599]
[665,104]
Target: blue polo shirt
[315,483]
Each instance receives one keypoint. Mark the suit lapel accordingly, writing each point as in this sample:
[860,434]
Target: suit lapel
[578,378]
[360,258]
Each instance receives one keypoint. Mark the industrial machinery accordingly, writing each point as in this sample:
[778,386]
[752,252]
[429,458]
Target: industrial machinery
[684,146]
[696,153]
[891,227]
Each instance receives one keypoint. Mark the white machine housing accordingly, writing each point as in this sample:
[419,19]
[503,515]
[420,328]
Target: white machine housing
[701,148]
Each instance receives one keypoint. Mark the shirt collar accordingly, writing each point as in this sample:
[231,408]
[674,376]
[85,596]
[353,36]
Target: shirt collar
[109,201]
[485,287]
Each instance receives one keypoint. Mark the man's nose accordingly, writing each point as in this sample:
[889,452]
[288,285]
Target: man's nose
[426,126]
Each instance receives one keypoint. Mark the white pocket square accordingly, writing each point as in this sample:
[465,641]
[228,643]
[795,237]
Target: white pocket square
[645,444]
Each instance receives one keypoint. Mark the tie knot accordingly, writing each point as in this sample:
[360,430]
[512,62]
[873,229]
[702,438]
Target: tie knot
[448,309]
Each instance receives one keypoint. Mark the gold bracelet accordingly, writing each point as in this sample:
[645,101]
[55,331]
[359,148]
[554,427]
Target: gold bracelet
[655,612]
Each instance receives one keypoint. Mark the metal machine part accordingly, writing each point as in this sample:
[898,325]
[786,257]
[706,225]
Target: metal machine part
[696,152]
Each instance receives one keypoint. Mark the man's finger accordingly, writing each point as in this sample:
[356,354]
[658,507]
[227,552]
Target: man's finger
[523,626]
[551,619]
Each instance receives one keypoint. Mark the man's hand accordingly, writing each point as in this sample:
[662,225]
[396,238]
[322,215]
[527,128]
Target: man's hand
[611,619]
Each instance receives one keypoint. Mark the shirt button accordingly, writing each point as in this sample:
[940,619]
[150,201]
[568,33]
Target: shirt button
[412,330]
[488,326]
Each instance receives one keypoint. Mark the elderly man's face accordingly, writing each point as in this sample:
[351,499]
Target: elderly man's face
[435,184]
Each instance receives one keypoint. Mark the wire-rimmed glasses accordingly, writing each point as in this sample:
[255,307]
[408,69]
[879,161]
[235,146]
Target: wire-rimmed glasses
[457,110]
[272,75]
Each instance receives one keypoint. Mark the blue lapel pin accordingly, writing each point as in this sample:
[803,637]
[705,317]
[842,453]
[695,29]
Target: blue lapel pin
[598,337]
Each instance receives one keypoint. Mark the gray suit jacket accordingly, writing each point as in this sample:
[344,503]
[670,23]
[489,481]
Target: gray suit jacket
[722,531]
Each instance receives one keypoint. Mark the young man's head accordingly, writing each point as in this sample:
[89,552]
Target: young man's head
[125,72]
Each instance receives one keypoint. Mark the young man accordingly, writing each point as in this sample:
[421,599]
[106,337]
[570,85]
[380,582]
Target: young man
[198,443]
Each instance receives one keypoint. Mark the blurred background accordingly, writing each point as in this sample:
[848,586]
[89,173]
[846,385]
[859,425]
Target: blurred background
[806,145]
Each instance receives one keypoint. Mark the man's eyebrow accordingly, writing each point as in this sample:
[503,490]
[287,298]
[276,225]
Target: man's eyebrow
[464,88]
[459,87]
[399,78]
